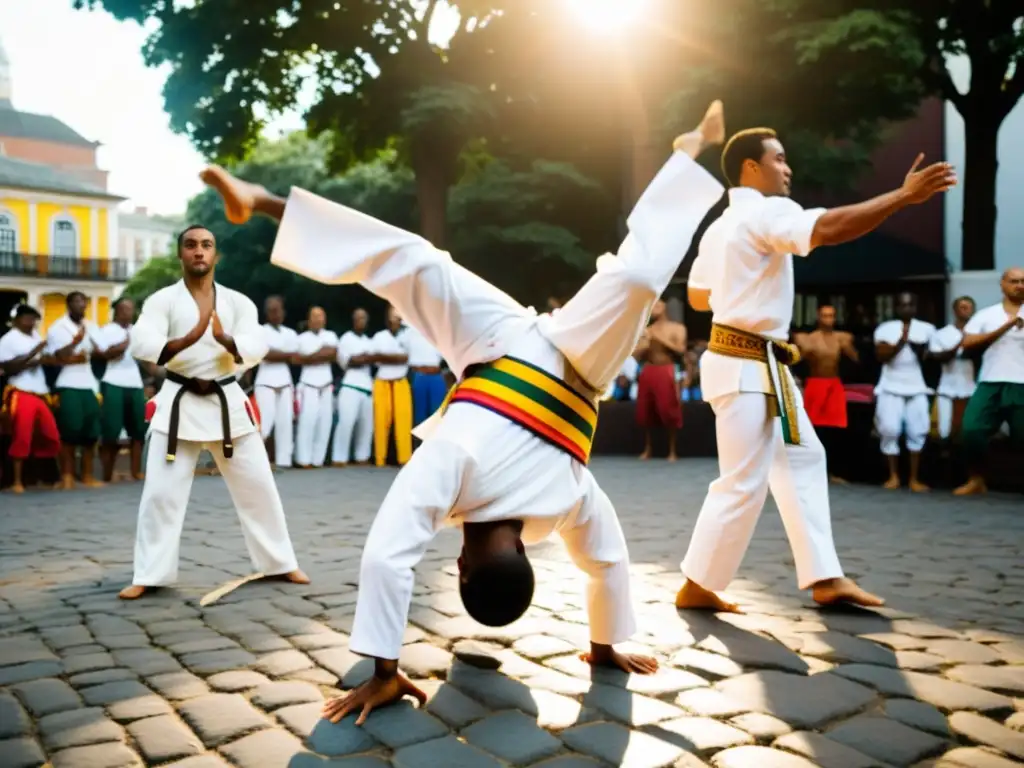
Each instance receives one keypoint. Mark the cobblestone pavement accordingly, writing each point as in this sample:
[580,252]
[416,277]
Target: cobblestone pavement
[936,680]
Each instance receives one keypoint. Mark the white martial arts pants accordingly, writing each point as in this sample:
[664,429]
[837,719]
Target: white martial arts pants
[165,496]
[316,415]
[355,422]
[897,415]
[752,458]
[277,417]
[944,412]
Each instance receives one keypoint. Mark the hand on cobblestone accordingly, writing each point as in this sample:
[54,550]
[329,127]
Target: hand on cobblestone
[375,692]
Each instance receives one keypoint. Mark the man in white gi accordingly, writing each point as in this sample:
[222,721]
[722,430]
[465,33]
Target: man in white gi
[999,398]
[956,385]
[392,395]
[355,396]
[123,409]
[744,273]
[505,458]
[275,393]
[70,344]
[204,335]
[317,349]
[901,396]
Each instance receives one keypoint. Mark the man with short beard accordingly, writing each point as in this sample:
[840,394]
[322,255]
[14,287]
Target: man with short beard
[205,335]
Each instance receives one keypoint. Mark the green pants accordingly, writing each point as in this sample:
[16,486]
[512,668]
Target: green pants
[123,409]
[991,404]
[78,416]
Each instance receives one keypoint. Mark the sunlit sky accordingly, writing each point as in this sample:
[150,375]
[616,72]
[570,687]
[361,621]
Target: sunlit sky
[86,69]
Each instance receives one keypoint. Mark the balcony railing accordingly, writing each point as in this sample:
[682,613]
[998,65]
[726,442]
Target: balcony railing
[64,267]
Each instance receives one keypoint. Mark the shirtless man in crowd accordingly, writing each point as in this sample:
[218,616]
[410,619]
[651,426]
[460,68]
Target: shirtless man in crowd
[824,393]
[657,400]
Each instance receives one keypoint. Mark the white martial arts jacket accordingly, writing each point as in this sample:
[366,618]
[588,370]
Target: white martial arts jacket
[1003,361]
[957,381]
[76,375]
[171,313]
[903,375]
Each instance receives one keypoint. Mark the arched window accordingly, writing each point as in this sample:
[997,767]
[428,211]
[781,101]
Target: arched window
[8,234]
[65,237]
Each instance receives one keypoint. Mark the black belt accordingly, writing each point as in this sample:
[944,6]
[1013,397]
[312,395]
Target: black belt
[201,387]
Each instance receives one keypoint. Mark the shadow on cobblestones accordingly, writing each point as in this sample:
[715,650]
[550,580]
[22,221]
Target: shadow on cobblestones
[935,680]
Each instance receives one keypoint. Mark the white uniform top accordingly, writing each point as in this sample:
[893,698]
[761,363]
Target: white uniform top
[123,372]
[14,344]
[902,375]
[171,313]
[317,374]
[387,343]
[746,260]
[421,353]
[277,375]
[79,375]
[353,344]
[957,379]
[1003,361]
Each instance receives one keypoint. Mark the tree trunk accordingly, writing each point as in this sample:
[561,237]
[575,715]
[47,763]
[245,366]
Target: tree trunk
[434,172]
[981,164]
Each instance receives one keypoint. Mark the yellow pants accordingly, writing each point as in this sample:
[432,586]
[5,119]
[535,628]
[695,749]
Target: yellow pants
[392,407]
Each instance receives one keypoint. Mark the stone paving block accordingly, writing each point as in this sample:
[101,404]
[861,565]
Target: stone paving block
[110,755]
[221,717]
[963,652]
[917,714]
[147,661]
[337,661]
[319,640]
[803,702]
[178,686]
[43,697]
[127,710]
[21,753]
[1011,653]
[1015,721]
[513,737]
[492,689]
[825,752]
[972,757]
[106,625]
[539,647]
[289,626]
[263,643]
[753,651]
[712,665]
[569,761]
[14,721]
[447,751]
[421,660]
[102,676]
[236,680]
[272,696]
[839,647]
[78,728]
[700,735]
[986,732]
[83,650]
[619,746]
[1008,680]
[451,705]
[164,738]
[759,757]
[897,641]
[281,663]
[218,643]
[923,629]
[919,661]
[627,707]
[211,662]
[91,662]
[109,693]
[947,695]
[63,637]
[402,725]
[762,727]
[710,703]
[158,628]
[887,740]
[272,747]
[325,737]
[554,711]
[22,650]
[124,642]
[33,670]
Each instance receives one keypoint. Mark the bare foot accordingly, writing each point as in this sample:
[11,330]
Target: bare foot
[973,487]
[645,456]
[838,480]
[339,464]
[918,487]
[712,127]
[239,196]
[297,577]
[17,488]
[139,476]
[132,592]
[892,484]
[672,457]
[694,596]
[67,483]
[832,591]
[92,482]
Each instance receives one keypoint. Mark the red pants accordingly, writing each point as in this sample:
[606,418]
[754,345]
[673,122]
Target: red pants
[33,426]
[825,402]
[657,397]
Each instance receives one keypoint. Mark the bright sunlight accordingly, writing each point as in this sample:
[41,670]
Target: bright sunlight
[607,16]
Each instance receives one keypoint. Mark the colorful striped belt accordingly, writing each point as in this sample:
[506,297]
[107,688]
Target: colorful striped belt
[535,400]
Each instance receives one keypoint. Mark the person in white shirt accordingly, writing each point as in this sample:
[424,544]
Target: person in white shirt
[506,458]
[355,395]
[275,393]
[205,336]
[998,331]
[124,400]
[71,343]
[744,273]
[34,430]
[428,384]
[392,395]
[901,395]
[624,386]
[318,347]
[956,385]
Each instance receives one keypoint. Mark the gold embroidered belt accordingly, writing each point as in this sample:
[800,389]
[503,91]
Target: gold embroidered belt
[777,356]
[535,400]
